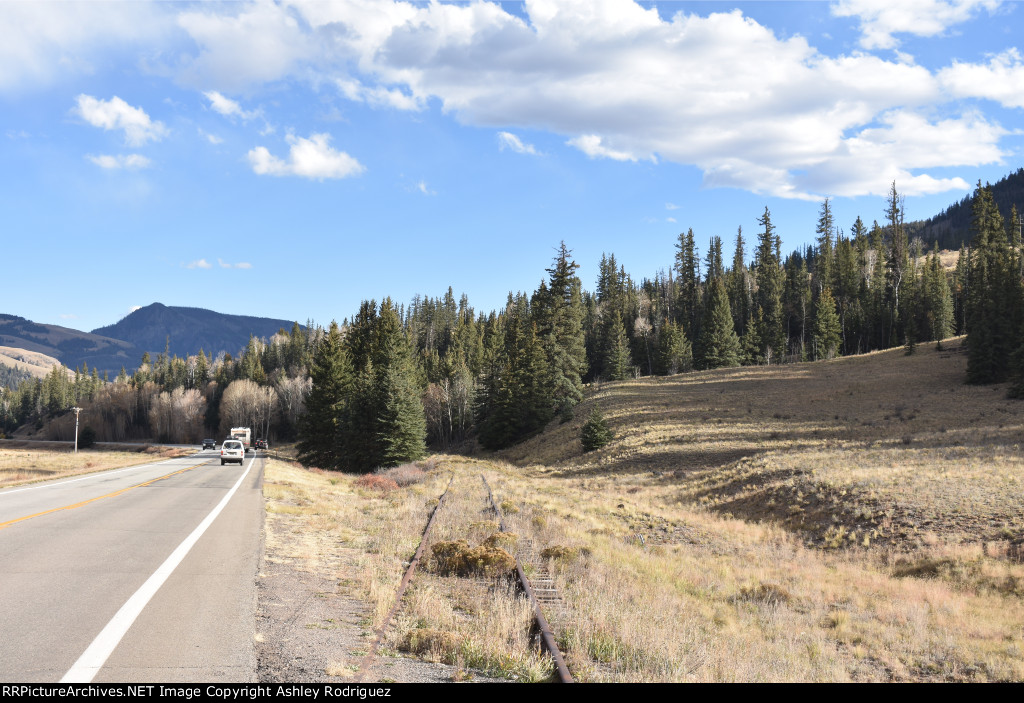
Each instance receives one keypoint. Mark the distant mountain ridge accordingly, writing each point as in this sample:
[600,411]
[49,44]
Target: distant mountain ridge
[145,330]
[952,227]
[190,329]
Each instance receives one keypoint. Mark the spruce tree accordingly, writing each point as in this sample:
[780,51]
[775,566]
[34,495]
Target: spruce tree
[719,346]
[595,433]
[617,362]
[826,326]
[559,316]
[768,299]
[320,439]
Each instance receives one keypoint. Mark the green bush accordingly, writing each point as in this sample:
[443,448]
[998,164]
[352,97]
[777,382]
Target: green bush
[596,432]
[86,438]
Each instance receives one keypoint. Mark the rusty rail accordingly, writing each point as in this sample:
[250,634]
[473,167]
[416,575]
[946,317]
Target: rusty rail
[365,662]
[547,638]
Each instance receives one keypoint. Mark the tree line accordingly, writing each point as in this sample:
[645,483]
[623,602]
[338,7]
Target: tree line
[379,388]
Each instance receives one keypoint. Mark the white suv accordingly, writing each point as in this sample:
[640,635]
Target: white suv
[231,450]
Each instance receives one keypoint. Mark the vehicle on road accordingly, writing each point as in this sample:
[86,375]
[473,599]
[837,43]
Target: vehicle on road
[232,450]
[262,444]
[243,435]
[209,444]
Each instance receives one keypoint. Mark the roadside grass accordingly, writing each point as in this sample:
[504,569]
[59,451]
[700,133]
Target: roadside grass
[667,592]
[323,522]
[474,619]
[26,464]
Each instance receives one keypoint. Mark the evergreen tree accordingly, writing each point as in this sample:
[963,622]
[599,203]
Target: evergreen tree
[768,299]
[719,345]
[595,433]
[559,318]
[617,364]
[826,326]
[320,439]
[675,353]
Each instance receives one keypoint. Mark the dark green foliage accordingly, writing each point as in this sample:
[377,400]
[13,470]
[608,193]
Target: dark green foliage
[617,362]
[675,353]
[595,433]
[993,295]
[328,403]
[86,438]
[826,326]
[719,346]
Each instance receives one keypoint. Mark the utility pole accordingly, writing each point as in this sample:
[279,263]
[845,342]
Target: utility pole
[77,410]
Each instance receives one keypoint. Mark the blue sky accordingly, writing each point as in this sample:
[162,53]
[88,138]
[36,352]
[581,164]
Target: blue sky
[289,159]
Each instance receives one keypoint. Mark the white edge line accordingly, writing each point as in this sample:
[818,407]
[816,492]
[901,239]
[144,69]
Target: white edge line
[98,474]
[97,653]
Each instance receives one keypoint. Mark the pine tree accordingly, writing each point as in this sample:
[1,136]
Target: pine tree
[826,326]
[768,299]
[719,346]
[320,440]
[675,353]
[559,316]
[617,363]
[595,433]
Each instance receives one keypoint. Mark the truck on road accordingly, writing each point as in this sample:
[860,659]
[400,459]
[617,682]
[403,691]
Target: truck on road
[244,435]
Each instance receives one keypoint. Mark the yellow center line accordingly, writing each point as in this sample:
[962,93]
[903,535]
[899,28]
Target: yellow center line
[93,500]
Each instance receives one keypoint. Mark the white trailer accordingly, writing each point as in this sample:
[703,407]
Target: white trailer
[244,435]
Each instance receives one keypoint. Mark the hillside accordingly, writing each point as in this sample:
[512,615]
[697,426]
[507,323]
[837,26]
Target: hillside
[886,446]
[33,363]
[952,227]
[190,329]
[72,347]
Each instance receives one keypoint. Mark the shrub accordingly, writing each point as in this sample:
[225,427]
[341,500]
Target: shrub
[86,438]
[459,559]
[502,540]
[374,482]
[424,640]
[404,475]
[596,432]
[564,554]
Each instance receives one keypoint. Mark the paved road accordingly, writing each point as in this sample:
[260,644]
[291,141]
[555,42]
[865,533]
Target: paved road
[73,552]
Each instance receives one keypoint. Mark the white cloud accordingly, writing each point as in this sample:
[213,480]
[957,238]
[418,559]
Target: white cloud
[212,138]
[670,219]
[378,96]
[199,264]
[228,107]
[423,188]
[721,92]
[226,265]
[592,146]
[133,308]
[48,41]
[249,44]
[880,19]
[130,162]
[671,206]
[1001,79]
[507,140]
[309,158]
[117,114]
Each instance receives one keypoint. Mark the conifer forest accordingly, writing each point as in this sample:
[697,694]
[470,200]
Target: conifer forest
[384,384]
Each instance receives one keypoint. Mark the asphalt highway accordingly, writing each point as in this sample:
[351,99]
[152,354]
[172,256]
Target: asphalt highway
[132,575]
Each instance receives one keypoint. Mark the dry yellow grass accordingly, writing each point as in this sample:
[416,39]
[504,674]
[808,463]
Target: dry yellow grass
[667,592]
[28,465]
[855,520]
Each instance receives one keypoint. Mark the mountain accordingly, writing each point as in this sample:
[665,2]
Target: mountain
[189,330]
[72,347]
[952,227]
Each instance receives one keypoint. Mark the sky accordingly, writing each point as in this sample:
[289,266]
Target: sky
[289,159]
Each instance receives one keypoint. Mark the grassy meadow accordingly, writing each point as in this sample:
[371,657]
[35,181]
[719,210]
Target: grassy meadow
[853,520]
[28,462]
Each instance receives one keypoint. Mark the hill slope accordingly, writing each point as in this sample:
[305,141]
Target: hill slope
[888,448]
[190,329]
[72,347]
[952,227]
